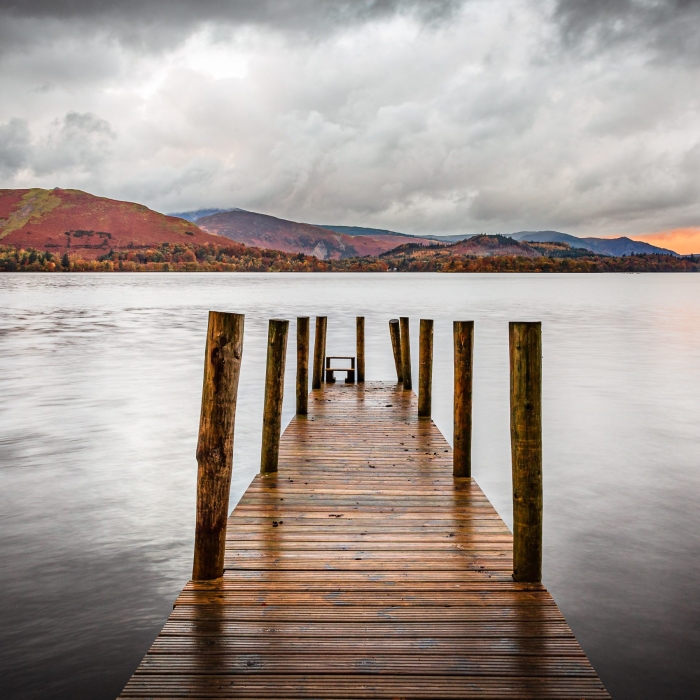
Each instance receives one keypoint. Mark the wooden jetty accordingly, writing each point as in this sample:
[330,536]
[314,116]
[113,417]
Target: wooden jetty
[362,568]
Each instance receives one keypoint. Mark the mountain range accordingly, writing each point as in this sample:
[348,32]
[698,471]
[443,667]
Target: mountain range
[351,241]
[78,223]
[266,231]
[603,246]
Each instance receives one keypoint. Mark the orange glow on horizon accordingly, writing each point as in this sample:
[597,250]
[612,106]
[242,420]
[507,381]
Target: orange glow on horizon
[682,240]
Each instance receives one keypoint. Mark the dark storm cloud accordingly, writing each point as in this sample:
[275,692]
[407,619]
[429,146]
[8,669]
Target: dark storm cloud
[669,28]
[157,24]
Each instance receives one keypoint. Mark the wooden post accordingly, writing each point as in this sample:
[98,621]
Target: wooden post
[405,353]
[274,394]
[425,368]
[319,352]
[463,332]
[324,326]
[526,448]
[395,333]
[222,367]
[360,344]
[302,365]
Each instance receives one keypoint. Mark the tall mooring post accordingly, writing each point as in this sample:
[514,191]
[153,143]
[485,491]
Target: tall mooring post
[463,335]
[360,347]
[525,341]
[395,332]
[319,352]
[405,353]
[302,365]
[222,367]
[425,368]
[274,394]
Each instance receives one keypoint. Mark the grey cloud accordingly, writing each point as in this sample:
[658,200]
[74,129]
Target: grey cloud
[475,125]
[267,12]
[670,29]
[77,143]
[14,146]
[157,24]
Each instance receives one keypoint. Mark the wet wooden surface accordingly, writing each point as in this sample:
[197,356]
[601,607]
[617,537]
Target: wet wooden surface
[363,569]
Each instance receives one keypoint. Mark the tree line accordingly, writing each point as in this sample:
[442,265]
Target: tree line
[236,257]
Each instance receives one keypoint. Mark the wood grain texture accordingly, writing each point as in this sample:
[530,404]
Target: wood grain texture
[364,569]
[425,368]
[302,384]
[406,353]
[463,335]
[319,352]
[274,394]
[525,342]
[222,367]
[360,347]
[395,333]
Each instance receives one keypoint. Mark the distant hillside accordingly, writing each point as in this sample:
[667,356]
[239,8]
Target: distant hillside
[198,213]
[378,232]
[482,254]
[452,239]
[266,231]
[483,245]
[362,231]
[389,238]
[75,222]
[479,246]
[615,247]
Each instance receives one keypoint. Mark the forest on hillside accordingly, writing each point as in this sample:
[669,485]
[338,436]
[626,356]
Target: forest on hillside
[235,257]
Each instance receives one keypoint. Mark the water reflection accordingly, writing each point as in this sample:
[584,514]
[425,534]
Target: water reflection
[99,404]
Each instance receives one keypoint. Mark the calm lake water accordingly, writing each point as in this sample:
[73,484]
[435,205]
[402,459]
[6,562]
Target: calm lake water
[99,408]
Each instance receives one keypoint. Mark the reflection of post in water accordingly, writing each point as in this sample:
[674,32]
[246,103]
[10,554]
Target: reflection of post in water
[209,633]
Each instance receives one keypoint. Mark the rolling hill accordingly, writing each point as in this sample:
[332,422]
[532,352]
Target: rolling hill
[482,246]
[291,237]
[75,222]
[479,246]
[266,231]
[198,213]
[603,246]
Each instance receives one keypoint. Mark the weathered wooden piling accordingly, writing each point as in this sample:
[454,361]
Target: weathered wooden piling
[302,365]
[319,352]
[222,365]
[360,347]
[395,332]
[463,332]
[274,394]
[363,569]
[425,368]
[405,353]
[525,341]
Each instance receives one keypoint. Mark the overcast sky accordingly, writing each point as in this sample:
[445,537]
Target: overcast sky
[432,116]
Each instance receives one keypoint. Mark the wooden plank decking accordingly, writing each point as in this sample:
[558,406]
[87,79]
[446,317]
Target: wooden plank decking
[363,569]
